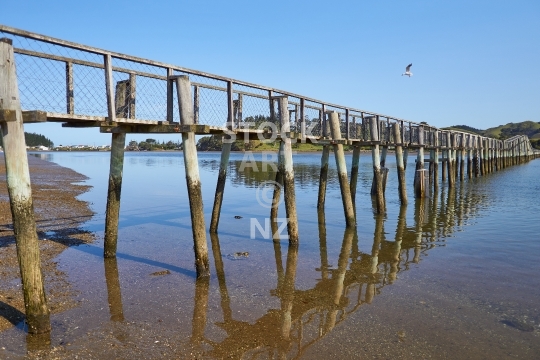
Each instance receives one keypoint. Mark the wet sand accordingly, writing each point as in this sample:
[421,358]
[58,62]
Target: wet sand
[58,217]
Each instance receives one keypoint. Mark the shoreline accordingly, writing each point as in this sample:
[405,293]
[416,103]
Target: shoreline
[59,216]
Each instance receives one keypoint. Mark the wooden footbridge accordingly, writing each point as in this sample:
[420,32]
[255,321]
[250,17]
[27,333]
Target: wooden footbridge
[43,79]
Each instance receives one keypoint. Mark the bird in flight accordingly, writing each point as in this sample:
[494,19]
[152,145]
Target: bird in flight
[408,71]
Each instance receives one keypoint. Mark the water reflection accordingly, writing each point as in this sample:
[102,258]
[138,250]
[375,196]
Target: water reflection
[36,343]
[251,173]
[306,316]
[114,294]
[202,287]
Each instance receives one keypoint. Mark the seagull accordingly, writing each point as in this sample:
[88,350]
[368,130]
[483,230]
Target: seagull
[408,71]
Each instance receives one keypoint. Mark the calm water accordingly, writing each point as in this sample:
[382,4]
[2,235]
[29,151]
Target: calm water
[454,276]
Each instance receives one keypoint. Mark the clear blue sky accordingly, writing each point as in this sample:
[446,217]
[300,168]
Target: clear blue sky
[475,62]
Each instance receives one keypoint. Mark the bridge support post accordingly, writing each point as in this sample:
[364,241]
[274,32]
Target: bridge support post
[456,157]
[348,208]
[225,153]
[121,107]
[489,156]
[514,153]
[354,171]
[452,168]
[430,166]
[520,151]
[384,172]
[482,157]
[476,158]
[285,167]
[457,160]
[183,88]
[377,174]
[507,154]
[402,187]
[420,174]
[20,195]
[278,185]
[436,161]
[113,194]
[450,160]
[443,167]
[499,155]
[220,186]
[462,163]
[323,177]
[469,156]
[405,156]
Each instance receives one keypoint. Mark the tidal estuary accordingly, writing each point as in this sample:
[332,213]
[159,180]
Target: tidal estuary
[455,276]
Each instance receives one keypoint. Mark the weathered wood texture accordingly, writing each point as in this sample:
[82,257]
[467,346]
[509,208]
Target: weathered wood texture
[420,174]
[402,187]
[286,168]
[323,177]
[224,163]
[183,88]
[220,187]
[348,207]
[354,172]
[377,173]
[118,143]
[20,196]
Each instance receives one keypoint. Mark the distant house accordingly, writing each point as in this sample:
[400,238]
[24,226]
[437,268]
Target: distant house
[42,148]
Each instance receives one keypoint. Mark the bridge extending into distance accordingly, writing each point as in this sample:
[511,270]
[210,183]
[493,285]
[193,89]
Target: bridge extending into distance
[43,79]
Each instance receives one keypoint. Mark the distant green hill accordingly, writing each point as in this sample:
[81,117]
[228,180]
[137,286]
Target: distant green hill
[502,132]
[466,129]
[529,128]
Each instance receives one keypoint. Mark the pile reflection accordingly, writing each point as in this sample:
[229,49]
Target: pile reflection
[305,316]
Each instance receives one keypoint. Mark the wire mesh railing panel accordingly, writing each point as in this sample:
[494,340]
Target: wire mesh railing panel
[253,107]
[414,135]
[151,98]
[294,114]
[212,100]
[313,118]
[49,76]
[67,78]
[384,133]
[89,91]
[148,85]
[355,127]
[42,83]
[342,121]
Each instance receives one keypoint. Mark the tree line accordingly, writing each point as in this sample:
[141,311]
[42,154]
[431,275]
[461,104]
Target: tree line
[153,144]
[33,139]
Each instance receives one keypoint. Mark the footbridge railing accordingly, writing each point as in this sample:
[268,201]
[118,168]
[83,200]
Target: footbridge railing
[79,85]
